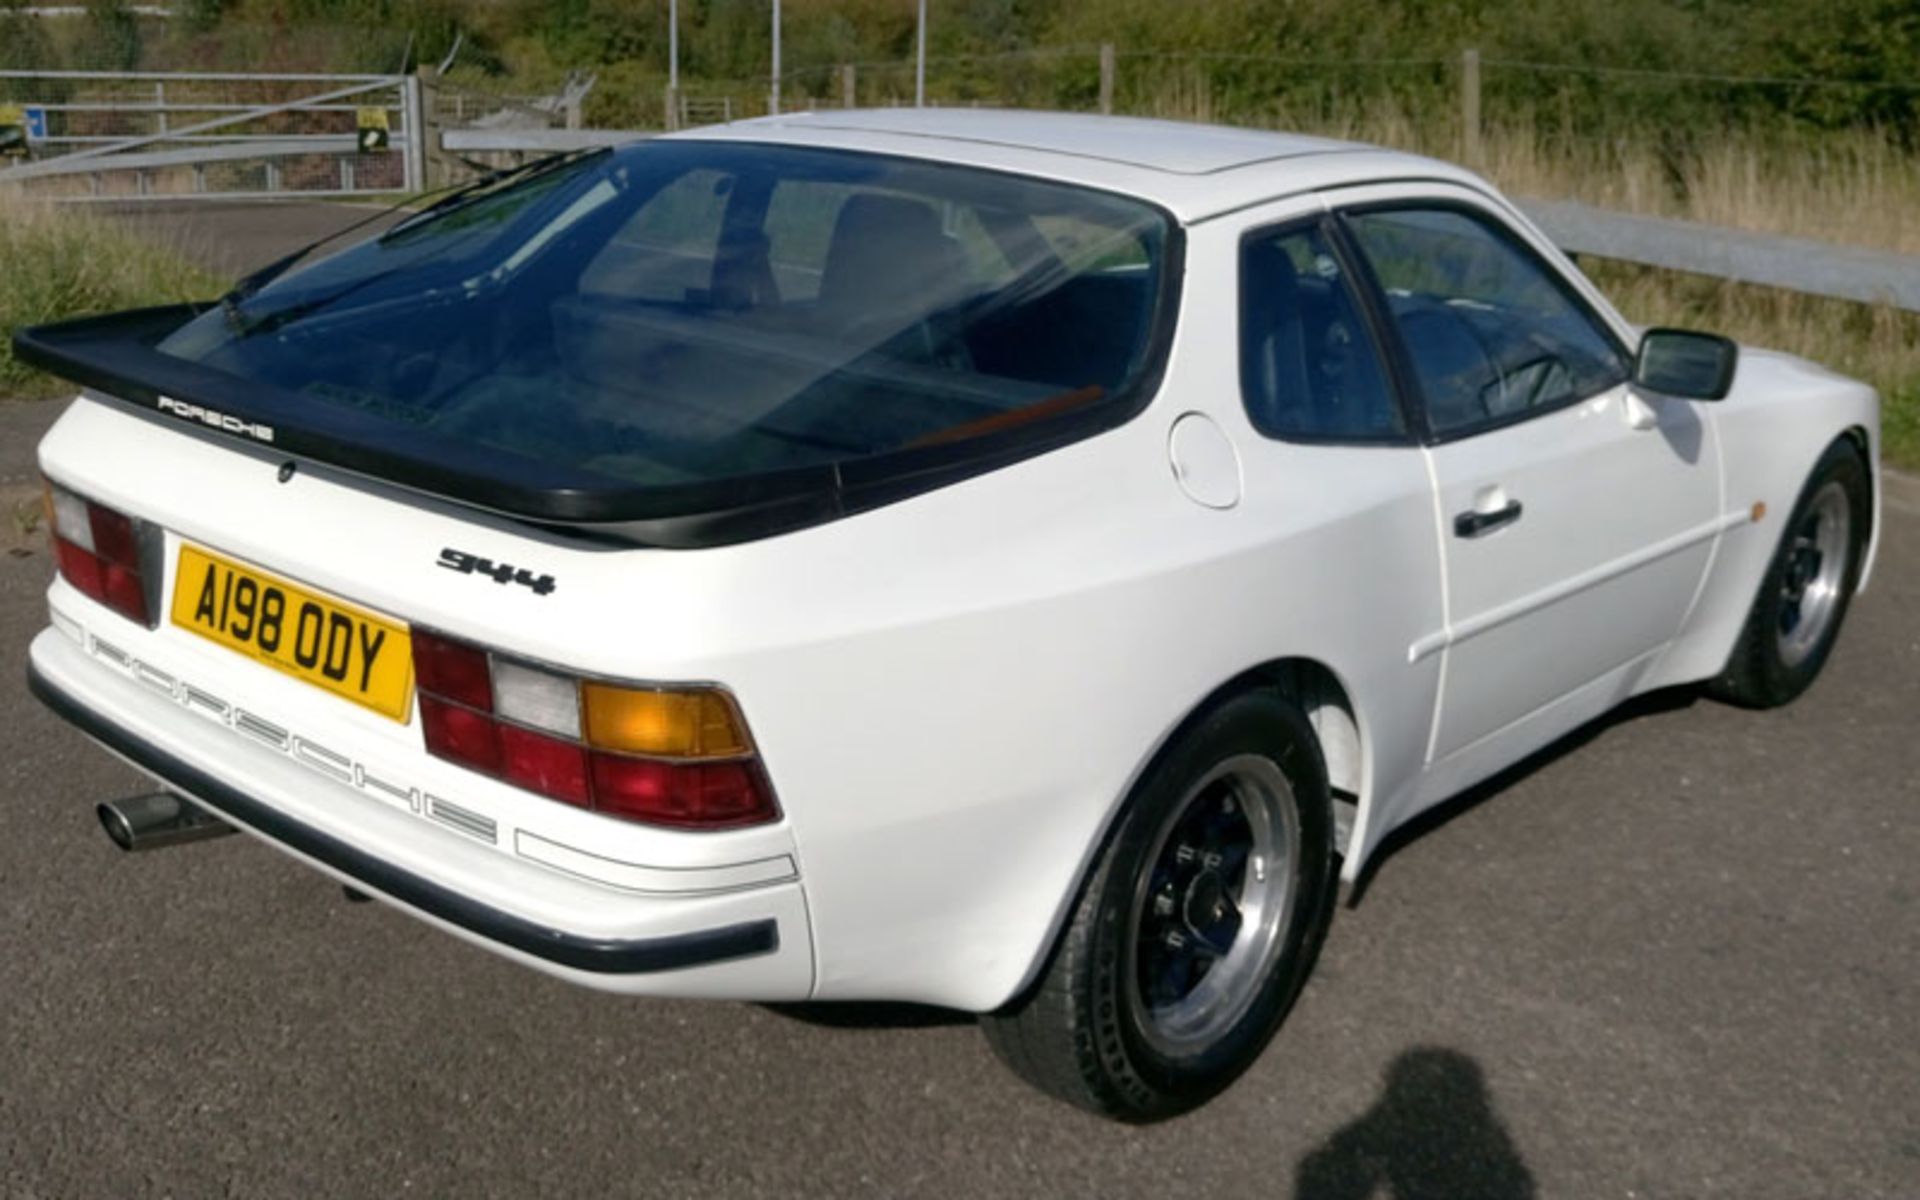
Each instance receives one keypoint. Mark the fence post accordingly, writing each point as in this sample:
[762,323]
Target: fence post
[410,132]
[423,129]
[1470,107]
[1106,78]
[849,87]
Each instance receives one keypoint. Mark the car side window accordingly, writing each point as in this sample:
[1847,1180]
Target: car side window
[1491,332]
[1308,365]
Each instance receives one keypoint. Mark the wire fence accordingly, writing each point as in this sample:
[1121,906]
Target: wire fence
[1617,136]
[1569,109]
[1572,101]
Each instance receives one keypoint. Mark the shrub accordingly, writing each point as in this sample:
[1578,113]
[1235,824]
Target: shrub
[60,262]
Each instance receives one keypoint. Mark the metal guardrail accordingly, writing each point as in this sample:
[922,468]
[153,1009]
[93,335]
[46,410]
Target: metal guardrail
[1770,260]
[534,141]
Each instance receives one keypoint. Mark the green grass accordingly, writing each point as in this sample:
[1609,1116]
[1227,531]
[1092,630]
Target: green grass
[1878,344]
[59,262]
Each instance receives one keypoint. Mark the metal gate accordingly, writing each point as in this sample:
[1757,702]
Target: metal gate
[151,135]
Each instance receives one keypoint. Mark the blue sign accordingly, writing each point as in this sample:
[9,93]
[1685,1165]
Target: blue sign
[36,124]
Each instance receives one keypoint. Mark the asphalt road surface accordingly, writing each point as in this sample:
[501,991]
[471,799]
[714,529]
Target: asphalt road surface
[1678,955]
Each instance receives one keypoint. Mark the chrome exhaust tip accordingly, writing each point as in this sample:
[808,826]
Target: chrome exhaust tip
[156,820]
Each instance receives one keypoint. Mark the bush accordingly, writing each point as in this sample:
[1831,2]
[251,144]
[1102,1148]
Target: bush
[61,263]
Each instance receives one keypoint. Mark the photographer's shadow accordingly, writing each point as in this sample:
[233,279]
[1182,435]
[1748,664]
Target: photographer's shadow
[1432,1135]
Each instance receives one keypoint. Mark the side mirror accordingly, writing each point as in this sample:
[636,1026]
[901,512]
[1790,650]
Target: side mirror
[1691,366]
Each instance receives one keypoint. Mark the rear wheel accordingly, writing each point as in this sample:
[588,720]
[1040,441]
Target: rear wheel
[1196,929]
[1803,597]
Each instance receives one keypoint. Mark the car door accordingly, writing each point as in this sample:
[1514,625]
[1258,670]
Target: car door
[1336,490]
[1576,513]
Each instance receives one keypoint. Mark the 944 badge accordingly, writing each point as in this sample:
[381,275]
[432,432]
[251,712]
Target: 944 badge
[469,564]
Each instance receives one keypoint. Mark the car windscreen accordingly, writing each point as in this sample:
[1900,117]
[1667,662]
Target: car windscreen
[687,312]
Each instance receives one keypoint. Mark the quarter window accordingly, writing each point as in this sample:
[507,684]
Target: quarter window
[1308,367]
[1491,333]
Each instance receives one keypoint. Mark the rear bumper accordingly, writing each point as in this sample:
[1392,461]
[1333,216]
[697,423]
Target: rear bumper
[736,951]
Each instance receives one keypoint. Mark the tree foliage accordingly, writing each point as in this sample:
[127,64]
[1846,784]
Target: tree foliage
[1238,59]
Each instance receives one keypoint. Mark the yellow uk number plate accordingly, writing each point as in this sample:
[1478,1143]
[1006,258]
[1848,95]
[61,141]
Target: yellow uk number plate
[306,634]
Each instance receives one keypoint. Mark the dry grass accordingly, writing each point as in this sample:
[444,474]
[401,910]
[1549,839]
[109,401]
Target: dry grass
[1852,187]
[1856,187]
[58,262]
[1878,344]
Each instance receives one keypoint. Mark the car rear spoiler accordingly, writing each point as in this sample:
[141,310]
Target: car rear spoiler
[117,356]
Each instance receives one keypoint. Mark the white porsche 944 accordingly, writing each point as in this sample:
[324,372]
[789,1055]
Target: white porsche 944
[1014,562]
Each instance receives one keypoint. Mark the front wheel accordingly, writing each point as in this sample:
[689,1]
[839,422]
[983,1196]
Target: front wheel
[1197,927]
[1803,597]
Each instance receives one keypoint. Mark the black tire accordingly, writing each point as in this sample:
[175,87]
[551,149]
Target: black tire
[1085,1032]
[1766,669]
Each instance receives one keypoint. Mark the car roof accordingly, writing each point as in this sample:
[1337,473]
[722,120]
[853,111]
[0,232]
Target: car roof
[1195,171]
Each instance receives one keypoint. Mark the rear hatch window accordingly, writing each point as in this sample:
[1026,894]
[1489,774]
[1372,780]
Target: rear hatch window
[739,338]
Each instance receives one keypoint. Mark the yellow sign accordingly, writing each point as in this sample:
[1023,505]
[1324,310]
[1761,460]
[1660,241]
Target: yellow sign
[374,129]
[306,634]
[13,129]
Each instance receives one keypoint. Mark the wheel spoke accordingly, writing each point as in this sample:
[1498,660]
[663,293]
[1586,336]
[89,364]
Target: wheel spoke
[1817,557]
[1174,978]
[1233,860]
[1206,922]
[1216,940]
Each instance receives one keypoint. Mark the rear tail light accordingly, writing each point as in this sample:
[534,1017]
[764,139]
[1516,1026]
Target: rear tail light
[460,734]
[709,795]
[453,671]
[680,757]
[107,555]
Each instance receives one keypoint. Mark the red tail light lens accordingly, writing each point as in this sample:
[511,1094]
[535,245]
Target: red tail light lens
[460,735]
[452,670]
[575,741]
[81,568]
[544,764]
[113,537]
[100,552]
[692,795]
[126,593]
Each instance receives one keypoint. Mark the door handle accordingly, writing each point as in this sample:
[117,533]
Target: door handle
[1473,523]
